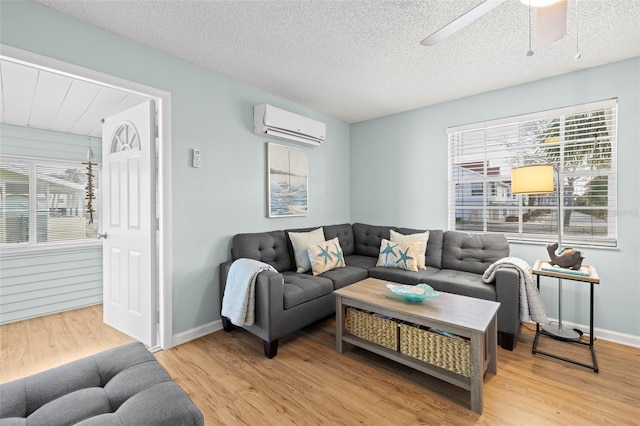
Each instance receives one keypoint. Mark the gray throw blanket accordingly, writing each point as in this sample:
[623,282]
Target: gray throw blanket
[238,302]
[531,305]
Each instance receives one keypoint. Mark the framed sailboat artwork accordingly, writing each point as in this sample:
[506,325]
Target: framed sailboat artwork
[287,172]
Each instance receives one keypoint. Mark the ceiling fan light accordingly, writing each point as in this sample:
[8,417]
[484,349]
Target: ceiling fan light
[538,3]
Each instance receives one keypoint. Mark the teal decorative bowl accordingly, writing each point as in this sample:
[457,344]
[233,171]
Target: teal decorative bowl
[414,293]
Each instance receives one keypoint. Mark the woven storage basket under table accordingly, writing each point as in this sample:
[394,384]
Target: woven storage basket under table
[372,328]
[441,351]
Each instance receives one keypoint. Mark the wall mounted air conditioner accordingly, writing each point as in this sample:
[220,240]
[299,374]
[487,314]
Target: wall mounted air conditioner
[280,124]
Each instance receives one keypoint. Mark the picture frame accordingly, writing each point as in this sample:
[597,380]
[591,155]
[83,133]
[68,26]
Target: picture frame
[287,181]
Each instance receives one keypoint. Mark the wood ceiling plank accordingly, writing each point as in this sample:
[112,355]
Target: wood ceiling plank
[80,96]
[129,101]
[19,86]
[50,94]
[100,108]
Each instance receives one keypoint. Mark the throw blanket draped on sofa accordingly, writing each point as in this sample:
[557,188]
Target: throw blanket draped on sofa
[238,302]
[531,305]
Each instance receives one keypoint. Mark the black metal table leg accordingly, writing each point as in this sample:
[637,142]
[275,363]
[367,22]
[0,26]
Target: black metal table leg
[542,332]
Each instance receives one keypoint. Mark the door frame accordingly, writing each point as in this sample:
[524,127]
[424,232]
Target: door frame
[163,104]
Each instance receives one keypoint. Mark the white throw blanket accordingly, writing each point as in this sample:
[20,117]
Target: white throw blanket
[238,302]
[531,305]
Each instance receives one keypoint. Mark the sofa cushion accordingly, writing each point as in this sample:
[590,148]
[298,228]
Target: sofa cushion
[344,232]
[462,283]
[360,261]
[300,241]
[367,238]
[472,252]
[325,256]
[400,255]
[402,275]
[300,288]
[268,247]
[342,277]
[421,237]
[434,245]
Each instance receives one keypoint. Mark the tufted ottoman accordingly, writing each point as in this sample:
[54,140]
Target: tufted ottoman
[121,386]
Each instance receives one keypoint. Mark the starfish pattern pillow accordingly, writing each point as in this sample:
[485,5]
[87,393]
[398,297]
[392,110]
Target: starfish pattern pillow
[399,254]
[325,256]
[422,237]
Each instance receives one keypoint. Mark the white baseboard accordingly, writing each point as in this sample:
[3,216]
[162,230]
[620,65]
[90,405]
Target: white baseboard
[600,333]
[197,332]
[611,336]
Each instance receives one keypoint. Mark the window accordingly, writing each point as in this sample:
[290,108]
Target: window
[579,141]
[43,202]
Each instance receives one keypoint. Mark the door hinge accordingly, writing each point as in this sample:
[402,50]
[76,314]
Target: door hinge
[157,317]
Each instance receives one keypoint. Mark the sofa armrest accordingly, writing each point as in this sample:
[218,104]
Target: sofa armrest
[269,301]
[224,273]
[508,294]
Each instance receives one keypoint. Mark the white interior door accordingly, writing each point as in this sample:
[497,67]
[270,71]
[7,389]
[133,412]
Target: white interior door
[128,222]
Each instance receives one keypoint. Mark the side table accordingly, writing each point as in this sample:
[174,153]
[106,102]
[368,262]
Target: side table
[593,278]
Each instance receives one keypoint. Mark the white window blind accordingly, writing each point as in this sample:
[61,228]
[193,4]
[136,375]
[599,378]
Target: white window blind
[579,141]
[44,202]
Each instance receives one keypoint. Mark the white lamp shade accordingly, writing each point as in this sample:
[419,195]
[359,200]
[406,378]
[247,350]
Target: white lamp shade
[537,179]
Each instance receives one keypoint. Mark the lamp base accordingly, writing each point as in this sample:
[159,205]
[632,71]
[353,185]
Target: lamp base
[564,333]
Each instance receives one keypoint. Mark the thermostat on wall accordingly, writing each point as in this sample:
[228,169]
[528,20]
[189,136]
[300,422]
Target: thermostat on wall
[196,157]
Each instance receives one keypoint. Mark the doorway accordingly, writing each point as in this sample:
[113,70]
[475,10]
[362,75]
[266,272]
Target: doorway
[162,100]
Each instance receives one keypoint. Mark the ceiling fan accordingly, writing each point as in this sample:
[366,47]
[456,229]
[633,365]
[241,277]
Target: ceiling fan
[551,22]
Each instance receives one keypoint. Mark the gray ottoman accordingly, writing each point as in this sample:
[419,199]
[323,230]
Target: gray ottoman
[121,386]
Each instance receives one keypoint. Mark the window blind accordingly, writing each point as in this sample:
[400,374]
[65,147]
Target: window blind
[43,202]
[579,141]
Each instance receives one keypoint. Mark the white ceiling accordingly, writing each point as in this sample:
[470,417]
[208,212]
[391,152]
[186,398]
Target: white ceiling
[357,60]
[41,99]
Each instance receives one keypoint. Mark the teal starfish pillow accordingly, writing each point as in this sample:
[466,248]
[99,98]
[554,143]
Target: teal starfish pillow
[326,256]
[399,254]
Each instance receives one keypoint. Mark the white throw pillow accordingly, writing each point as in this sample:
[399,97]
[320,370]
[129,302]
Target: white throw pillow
[422,237]
[325,256]
[300,241]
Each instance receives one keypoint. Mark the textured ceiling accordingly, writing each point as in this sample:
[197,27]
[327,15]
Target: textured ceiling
[357,60]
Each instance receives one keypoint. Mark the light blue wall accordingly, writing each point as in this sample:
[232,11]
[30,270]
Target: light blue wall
[399,176]
[228,194]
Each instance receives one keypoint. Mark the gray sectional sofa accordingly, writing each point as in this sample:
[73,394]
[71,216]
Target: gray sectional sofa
[286,301]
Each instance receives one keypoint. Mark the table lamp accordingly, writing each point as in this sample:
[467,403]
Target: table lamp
[538,179]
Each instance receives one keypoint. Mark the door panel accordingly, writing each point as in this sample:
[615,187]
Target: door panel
[128,156]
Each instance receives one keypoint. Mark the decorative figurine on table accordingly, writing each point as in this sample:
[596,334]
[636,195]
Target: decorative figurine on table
[568,257]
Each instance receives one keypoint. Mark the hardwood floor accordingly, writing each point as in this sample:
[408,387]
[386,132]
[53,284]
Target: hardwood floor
[308,382]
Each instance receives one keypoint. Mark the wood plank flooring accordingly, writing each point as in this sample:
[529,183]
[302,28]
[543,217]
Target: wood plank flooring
[309,383]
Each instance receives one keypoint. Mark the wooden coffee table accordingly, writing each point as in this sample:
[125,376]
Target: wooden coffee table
[468,317]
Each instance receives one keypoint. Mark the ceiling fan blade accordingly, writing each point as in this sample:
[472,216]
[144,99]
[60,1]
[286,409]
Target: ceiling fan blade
[551,22]
[461,22]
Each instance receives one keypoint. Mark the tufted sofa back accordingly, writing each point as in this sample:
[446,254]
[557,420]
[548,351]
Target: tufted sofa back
[268,247]
[472,252]
[367,238]
[434,245]
[445,250]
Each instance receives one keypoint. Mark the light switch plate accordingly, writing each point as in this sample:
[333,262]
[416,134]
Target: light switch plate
[196,161]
